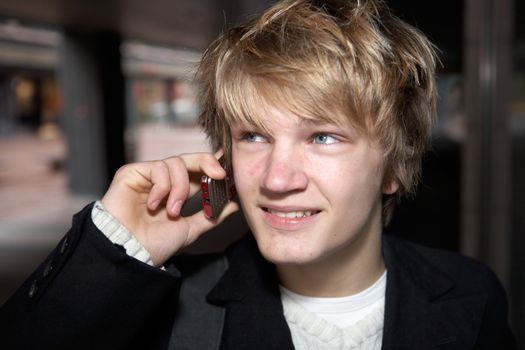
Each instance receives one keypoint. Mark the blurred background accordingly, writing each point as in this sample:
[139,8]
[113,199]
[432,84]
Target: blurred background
[88,86]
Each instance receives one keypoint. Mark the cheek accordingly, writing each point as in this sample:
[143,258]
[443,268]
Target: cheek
[251,172]
[245,171]
[348,182]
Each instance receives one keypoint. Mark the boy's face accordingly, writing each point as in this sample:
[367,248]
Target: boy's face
[309,190]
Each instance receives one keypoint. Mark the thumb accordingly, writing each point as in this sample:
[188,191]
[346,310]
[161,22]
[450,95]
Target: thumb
[199,223]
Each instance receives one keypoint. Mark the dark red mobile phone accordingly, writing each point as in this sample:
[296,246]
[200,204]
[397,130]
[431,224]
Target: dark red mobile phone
[217,193]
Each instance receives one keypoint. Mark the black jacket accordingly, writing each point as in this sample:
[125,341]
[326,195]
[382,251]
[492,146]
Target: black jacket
[90,294]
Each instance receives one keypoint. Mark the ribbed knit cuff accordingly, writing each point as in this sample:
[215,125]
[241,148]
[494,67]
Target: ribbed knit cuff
[118,234]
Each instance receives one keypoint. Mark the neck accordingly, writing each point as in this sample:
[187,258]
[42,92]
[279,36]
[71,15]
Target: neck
[345,272]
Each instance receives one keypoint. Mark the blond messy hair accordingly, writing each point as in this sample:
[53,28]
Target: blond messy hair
[322,60]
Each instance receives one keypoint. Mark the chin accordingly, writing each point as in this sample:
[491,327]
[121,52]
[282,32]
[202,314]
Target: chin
[291,260]
[286,254]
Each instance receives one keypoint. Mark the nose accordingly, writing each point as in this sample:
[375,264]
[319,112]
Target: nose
[285,171]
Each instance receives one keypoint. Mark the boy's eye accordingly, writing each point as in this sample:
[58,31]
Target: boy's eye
[254,137]
[324,139]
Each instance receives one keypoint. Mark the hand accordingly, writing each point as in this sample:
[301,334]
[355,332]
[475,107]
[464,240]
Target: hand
[147,199]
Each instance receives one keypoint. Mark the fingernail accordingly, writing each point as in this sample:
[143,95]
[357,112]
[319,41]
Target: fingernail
[176,207]
[154,204]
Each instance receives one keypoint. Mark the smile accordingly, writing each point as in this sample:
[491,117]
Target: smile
[291,214]
[290,218]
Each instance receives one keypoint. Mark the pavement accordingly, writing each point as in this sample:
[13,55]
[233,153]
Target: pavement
[36,206]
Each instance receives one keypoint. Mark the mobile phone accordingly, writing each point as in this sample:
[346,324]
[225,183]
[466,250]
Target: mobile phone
[217,193]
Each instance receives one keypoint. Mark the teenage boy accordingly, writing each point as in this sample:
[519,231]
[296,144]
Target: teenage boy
[323,110]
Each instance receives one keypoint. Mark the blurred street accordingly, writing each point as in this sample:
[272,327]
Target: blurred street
[36,206]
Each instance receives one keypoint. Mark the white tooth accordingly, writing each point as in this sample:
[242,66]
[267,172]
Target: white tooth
[291,214]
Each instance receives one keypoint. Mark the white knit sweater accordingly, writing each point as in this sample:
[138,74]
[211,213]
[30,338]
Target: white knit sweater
[353,327]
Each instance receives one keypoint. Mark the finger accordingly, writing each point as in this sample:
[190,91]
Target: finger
[179,178]
[160,183]
[179,184]
[203,163]
[199,164]
[199,223]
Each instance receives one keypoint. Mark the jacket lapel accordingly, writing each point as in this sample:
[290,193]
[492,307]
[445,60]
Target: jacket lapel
[249,290]
[422,310]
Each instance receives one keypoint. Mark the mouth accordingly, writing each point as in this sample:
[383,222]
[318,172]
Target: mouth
[291,214]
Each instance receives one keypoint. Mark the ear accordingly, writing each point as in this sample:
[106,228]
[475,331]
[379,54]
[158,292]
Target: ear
[390,186]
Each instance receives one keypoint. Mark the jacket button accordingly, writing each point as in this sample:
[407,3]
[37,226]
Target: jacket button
[33,289]
[64,246]
[49,267]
